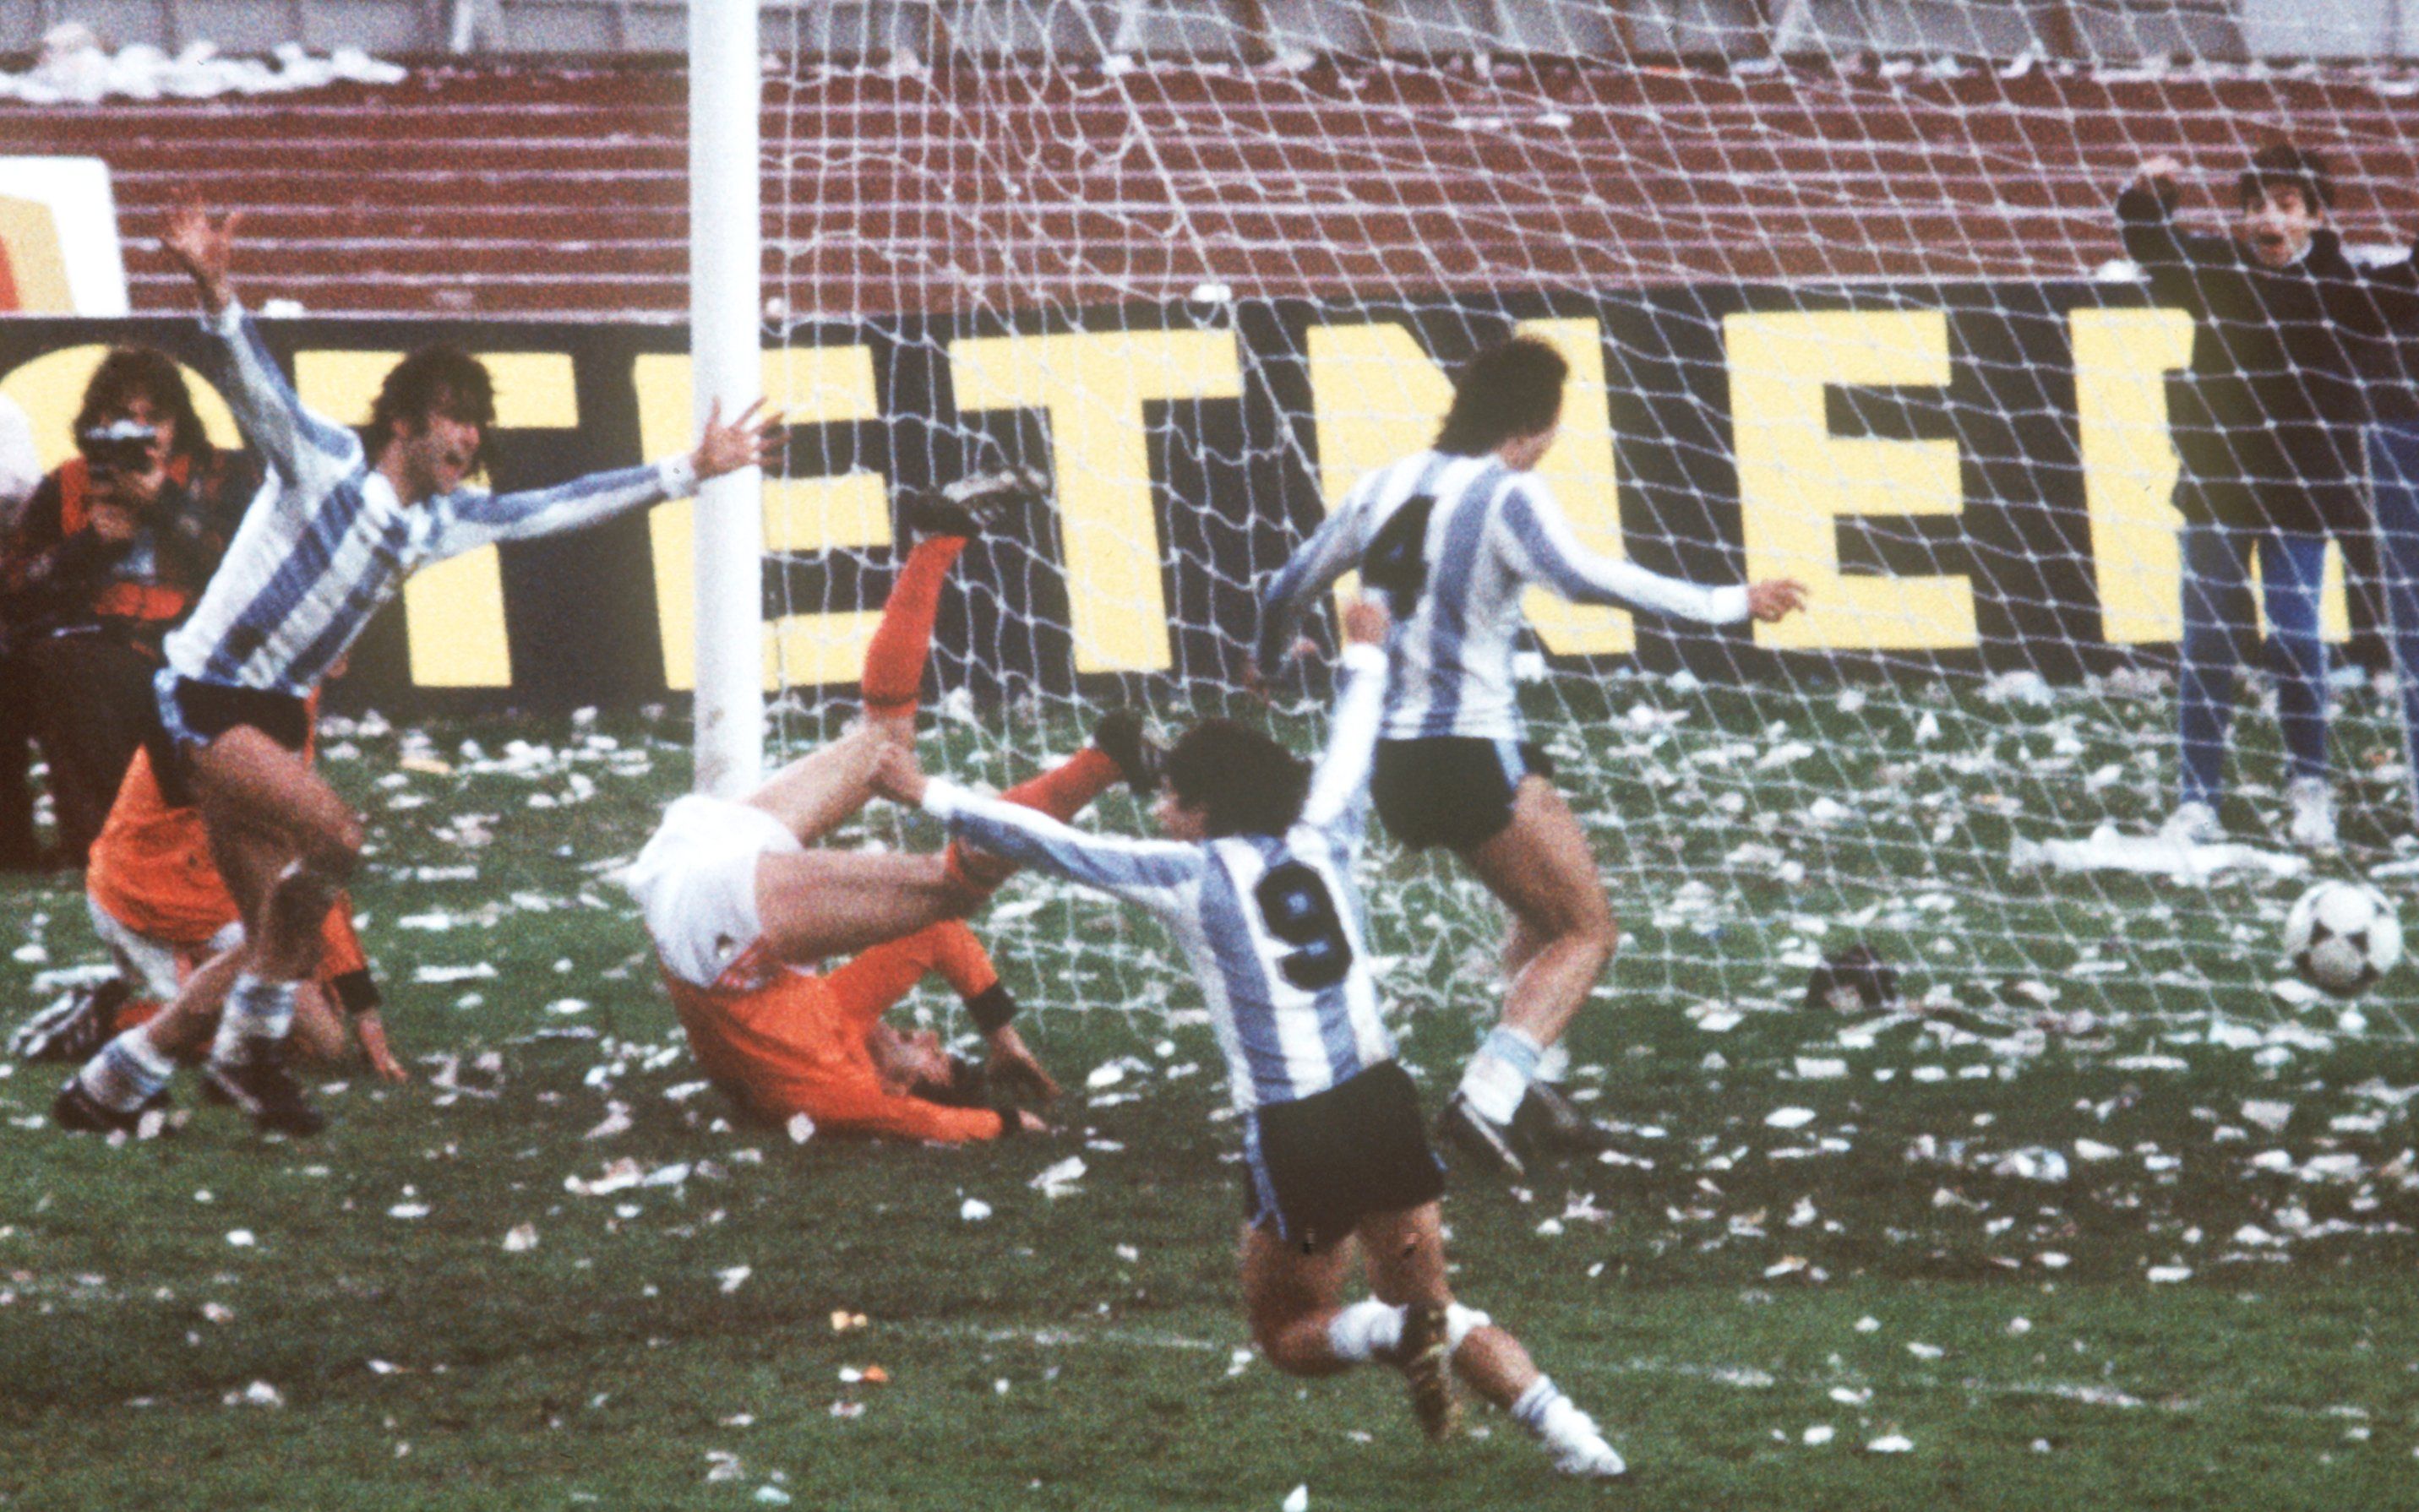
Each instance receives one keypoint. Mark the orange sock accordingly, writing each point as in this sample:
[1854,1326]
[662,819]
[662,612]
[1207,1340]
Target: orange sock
[133,1011]
[1061,792]
[902,642]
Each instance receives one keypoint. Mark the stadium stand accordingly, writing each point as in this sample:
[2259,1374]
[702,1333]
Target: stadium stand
[2097,30]
[523,190]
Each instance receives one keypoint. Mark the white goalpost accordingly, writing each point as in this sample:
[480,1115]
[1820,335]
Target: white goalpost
[726,242]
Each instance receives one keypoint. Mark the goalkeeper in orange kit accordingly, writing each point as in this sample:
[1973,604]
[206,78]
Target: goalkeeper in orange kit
[781,1038]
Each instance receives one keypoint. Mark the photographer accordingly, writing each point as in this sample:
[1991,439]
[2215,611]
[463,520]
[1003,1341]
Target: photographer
[109,553]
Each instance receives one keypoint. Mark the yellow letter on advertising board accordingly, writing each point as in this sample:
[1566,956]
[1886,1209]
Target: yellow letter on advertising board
[2121,361]
[1093,386]
[811,385]
[1797,478]
[32,256]
[452,610]
[1378,398]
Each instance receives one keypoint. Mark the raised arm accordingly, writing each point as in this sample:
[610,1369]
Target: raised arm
[471,518]
[1339,789]
[1548,554]
[295,443]
[2146,221]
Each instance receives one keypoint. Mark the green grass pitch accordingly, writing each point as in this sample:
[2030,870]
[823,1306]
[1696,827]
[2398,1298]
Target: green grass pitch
[2107,1226]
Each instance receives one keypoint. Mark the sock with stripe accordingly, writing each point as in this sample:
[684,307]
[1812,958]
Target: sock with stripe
[255,1011]
[1534,1405]
[127,1074]
[1499,1074]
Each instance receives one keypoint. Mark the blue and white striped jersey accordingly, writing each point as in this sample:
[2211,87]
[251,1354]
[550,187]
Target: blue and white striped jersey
[326,541]
[1275,928]
[1451,541]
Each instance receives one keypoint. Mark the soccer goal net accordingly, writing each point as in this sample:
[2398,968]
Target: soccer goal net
[1858,319]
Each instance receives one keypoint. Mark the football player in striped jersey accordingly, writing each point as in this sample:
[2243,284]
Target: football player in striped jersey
[1255,880]
[340,520]
[1449,538]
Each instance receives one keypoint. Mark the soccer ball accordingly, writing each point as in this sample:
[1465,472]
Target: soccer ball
[2342,937]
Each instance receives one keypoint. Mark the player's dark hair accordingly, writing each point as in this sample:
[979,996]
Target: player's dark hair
[130,373]
[1513,388]
[1242,781]
[2283,165]
[434,380]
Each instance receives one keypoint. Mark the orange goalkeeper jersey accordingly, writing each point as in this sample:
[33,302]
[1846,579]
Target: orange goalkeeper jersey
[786,1041]
[150,869]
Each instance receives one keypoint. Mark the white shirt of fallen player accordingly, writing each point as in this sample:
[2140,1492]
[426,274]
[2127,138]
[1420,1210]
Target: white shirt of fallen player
[1482,533]
[326,541]
[1291,1018]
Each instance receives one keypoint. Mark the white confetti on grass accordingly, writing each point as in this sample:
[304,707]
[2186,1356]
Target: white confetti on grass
[442,975]
[520,1239]
[1789,1118]
[1891,1444]
[1059,1180]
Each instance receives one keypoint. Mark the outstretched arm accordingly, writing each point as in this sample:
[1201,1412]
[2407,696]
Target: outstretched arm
[1339,789]
[478,519]
[1550,556]
[863,1106]
[1143,871]
[292,440]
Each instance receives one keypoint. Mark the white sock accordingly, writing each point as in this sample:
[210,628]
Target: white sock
[126,1073]
[1498,1075]
[1460,1322]
[1535,1403]
[1555,1065]
[1365,1330]
[255,1011]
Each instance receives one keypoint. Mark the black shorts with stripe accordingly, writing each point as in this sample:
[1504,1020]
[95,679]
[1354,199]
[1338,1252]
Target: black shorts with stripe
[192,714]
[1314,1168]
[1451,790]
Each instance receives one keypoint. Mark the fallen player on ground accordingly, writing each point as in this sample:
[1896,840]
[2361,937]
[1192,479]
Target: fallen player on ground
[739,947]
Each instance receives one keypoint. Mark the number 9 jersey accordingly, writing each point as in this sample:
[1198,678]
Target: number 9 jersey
[1273,925]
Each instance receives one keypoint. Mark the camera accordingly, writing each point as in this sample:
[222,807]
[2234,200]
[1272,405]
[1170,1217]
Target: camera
[122,448]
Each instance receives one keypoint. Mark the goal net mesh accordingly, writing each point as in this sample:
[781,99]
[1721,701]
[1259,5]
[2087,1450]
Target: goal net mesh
[1859,321]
